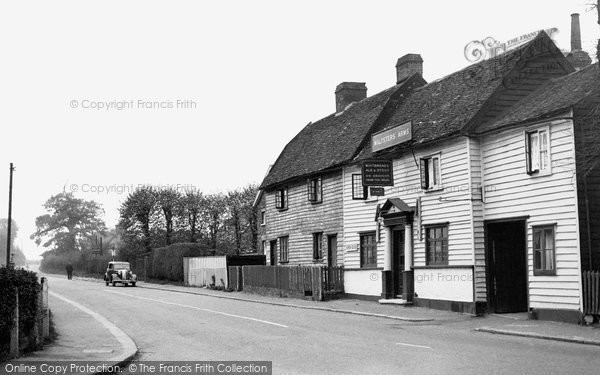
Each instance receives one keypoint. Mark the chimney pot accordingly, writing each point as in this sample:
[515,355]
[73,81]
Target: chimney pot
[347,93]
[408,65]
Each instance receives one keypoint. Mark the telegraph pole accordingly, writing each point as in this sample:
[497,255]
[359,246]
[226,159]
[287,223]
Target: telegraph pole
[8,227]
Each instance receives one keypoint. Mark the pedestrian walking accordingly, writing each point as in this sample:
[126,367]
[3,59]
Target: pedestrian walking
[69,271]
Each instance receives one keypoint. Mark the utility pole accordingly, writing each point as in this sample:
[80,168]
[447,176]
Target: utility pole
[8,228]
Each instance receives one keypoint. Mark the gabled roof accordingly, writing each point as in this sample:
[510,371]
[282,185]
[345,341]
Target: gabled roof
[335,139]
[396,205]
[556,96]
[449,105]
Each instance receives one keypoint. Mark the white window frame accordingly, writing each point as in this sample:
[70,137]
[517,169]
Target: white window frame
[432,176]
[263,217]
[537,164]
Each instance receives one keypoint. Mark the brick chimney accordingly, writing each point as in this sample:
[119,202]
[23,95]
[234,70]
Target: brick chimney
[577,57]
[575,33]
[408,65]
[347,93]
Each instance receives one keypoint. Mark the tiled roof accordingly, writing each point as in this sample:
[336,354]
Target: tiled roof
[335,139]
[556,96]
[445,107]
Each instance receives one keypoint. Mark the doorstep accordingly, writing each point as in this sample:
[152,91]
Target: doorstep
[394,301]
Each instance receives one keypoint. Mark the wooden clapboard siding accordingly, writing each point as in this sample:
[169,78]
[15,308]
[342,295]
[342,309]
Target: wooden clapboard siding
[511,192]
[359,215]
[477,225]
[303,218]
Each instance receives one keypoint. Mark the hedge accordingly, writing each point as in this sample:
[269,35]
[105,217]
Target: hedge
[28,287]
[83,264]
[167,262]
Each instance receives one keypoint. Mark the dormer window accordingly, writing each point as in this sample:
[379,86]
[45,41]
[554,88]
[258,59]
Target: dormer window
[281,198]
[315,190]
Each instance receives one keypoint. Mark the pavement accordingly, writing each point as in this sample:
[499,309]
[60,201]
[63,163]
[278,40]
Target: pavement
[84,337]
[88,336]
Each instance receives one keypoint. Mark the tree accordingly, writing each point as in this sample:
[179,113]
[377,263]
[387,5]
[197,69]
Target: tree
[213,215]
[192,205]
[169,201]
[598,45]
[19,258]
[136,213]
[70,222]
[242,218]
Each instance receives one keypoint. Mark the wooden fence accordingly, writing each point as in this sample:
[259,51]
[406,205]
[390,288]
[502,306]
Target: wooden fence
[320,283]
[591,292]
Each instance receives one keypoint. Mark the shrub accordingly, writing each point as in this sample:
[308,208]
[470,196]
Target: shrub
[28,287]
[167,262]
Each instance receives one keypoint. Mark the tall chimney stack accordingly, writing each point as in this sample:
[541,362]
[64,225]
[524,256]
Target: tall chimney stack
[408,65]
[575,33]
[577,57]
[347,93]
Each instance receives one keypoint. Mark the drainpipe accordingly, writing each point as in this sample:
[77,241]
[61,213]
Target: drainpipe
[407,275]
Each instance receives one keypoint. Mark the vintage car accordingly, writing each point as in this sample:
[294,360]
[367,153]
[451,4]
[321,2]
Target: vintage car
[119,272]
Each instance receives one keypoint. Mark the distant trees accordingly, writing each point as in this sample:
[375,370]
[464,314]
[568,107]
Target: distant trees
[19,257]
[152,217]
[69,223]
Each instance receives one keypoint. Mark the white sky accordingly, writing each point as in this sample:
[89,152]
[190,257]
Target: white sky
[258,71]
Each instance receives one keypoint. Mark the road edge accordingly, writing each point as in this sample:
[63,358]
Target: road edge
[130,349]
[351,312]
[569,339]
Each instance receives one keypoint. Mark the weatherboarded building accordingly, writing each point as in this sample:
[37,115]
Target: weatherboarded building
[478,203]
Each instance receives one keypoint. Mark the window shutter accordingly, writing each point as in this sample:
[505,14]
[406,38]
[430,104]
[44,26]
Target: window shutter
[424,174]
[309,190]
[527,153]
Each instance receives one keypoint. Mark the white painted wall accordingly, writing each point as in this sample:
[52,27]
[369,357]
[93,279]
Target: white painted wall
[551,199]
[447,284]
[364,282]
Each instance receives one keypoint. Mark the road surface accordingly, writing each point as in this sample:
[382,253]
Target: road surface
[176,326]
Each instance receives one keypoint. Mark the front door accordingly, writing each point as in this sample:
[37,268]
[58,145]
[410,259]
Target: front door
[398,260]
[273,252]
[332,250]
[506,258]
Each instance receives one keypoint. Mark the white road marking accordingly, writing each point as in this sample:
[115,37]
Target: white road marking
[201,309]
[413,345]
[125,341]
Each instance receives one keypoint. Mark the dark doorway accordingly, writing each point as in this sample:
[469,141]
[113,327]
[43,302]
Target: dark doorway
[506,258]
[273,252]
[332,250]
[398,260]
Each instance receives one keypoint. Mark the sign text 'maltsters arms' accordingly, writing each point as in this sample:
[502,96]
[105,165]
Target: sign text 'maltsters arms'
[392,137]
